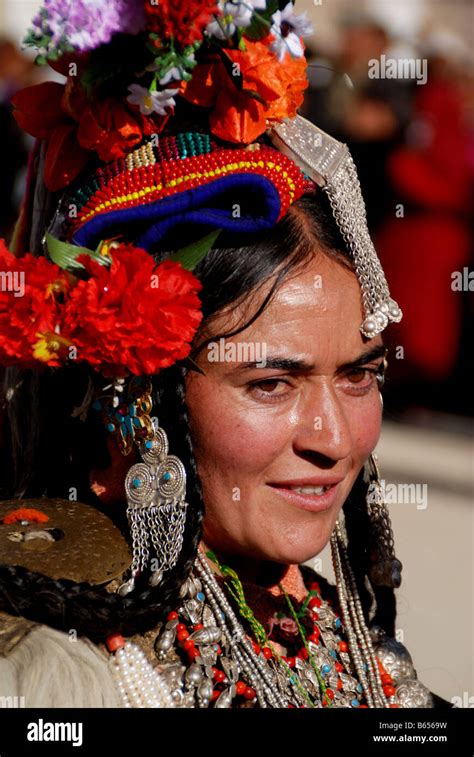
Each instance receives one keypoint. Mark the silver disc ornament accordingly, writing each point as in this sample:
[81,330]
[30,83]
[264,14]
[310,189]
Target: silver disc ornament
[139,485]
[171,478]
[155,450]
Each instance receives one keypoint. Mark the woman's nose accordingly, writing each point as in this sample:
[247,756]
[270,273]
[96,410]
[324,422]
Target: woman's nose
[322,427]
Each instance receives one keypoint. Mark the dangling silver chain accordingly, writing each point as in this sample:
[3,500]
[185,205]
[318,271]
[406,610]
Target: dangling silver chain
[354,623]
[329,163]
[156,511]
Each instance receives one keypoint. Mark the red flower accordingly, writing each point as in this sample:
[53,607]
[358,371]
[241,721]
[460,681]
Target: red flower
[31,293]
[239,117]
[39,110]
[136,317]
[73,125]
[110,129]
[185,20]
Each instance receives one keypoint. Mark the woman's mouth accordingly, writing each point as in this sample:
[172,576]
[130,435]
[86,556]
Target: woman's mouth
[310,497]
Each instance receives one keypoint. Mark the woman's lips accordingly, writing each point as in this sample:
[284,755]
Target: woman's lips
[314,503]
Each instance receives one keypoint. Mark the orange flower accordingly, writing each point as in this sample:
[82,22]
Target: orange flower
[237,116]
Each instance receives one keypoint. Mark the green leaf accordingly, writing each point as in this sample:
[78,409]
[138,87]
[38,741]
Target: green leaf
[261,22]
[64,254]
[192,254]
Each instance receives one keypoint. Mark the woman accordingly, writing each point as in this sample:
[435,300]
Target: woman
[264,437]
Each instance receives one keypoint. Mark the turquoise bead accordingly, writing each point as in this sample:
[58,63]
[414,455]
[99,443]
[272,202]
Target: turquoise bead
[110,427]
[167,476]
[136,483]
[148,444]
[338,623]
[200,596]
[326,669]
[355,703]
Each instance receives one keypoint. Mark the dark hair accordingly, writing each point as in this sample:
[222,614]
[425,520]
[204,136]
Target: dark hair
[44,464]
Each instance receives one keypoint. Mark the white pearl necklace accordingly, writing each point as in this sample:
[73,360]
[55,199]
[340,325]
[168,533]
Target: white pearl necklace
[139,684]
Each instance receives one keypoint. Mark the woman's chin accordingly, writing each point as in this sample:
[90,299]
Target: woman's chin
[295,554]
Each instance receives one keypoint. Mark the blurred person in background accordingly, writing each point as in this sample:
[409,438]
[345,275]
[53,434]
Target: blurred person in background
[368,114]
[427,244]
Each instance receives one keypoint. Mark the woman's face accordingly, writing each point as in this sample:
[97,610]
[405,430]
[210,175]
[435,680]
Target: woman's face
[279,446]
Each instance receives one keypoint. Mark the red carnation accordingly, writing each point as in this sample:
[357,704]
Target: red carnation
[135,317]
[31,293]
[185,21]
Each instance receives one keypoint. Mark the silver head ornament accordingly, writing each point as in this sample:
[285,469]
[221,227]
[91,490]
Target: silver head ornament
[329,164]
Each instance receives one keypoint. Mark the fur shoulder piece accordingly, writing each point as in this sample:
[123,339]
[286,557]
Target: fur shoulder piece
[12,630]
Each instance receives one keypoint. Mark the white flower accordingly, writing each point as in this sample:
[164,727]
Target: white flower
[287,28]
[151,102]
[235,14]
[175,73]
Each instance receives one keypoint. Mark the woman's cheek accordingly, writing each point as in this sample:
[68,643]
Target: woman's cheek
[365,420]
[225,433]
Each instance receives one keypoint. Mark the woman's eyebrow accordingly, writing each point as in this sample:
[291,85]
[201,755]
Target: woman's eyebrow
[372,353]
[276,362]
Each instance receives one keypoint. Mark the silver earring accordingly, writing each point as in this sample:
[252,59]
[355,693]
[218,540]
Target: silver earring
[385,569]
[156,490]
[329,163]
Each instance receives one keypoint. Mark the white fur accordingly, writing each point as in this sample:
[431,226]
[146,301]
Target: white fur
[48,669]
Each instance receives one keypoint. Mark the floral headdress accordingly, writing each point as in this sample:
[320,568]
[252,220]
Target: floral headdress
[166,110]
[175,100]
[127,63]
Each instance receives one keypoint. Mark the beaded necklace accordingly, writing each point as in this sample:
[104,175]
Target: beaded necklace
[207,658]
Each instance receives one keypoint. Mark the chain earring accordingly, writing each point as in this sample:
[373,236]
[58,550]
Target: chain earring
[385,569]
[155,487]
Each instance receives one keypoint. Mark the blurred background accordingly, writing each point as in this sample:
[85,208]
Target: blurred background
[394,80]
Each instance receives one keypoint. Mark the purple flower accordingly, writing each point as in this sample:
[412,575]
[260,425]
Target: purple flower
[87,24]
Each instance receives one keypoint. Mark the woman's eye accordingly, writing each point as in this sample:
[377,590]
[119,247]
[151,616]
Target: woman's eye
[362,379]
[269,388]
[357,376]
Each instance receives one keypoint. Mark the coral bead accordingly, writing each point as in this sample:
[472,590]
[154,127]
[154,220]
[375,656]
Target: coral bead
[219,675]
